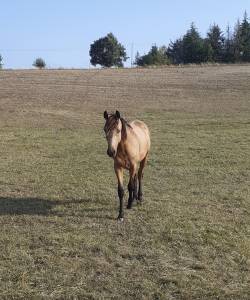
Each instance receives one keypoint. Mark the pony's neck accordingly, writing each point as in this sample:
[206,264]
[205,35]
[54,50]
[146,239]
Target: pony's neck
[122,144]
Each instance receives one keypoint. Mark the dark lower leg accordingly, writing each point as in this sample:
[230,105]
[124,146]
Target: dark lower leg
[130,190]
[135,188]
[140,176]
[120,194]
[140,190]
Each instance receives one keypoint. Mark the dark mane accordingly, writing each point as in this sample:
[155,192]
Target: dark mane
[125,124]
[112,122]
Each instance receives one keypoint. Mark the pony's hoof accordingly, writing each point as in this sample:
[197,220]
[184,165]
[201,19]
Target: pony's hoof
[120,219]
[129,206]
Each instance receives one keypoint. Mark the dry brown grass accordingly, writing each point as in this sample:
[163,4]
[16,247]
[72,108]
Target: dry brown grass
[190,239]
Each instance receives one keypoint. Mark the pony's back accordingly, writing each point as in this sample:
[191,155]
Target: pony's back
[142,132]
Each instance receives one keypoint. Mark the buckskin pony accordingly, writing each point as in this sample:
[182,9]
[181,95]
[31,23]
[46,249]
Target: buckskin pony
[128,145]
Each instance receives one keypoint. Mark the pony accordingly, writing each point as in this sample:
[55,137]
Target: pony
[128,146]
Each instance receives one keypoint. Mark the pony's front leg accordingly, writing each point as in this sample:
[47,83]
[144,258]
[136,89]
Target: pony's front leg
[132,186]
[119,175]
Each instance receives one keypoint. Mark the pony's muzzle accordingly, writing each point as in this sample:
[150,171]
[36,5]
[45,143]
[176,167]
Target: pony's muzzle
[111,153]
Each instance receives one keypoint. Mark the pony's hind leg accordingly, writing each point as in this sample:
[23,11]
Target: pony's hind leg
[135,191]
[140,177]
[132,186]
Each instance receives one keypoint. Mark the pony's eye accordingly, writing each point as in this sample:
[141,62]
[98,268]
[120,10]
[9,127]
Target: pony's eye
[118,130]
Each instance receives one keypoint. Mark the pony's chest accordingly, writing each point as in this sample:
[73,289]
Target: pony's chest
[123,161]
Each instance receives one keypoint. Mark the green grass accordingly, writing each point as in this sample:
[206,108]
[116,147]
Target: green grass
[58,205]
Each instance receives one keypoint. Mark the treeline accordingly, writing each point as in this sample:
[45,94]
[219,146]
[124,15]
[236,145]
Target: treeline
[233,46]
[218,47]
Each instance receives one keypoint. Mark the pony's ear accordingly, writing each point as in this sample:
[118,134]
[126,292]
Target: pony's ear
[117,115]
[106,116]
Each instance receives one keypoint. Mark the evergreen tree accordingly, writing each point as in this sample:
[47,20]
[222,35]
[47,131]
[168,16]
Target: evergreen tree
[175,51]
[237,45]
[107,52]
[228,48]
[244,34]
[1,64]
[207,51]
[156,56]
[216,40]
[193,46]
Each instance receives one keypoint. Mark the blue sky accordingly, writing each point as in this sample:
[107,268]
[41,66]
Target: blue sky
[61,31]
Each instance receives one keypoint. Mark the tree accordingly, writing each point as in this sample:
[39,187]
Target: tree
[1,64]
[228,48]
[39,63]
[237,45]
[175,51]
[207,51]
[244,36]
[156,56]
[107,52]
[193,47]
[216,40]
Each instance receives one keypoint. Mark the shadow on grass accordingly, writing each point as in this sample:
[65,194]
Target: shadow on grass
[26,206]
[45,207]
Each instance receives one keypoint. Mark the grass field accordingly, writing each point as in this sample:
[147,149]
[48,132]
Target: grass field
[58,204]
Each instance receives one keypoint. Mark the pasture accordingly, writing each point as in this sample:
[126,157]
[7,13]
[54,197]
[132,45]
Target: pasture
[58,203]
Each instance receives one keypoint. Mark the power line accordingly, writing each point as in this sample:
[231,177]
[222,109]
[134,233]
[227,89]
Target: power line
[42,50]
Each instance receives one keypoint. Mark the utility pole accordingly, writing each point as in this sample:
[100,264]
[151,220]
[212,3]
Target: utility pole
[132,55]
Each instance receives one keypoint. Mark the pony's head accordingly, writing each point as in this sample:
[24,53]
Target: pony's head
[113,130]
